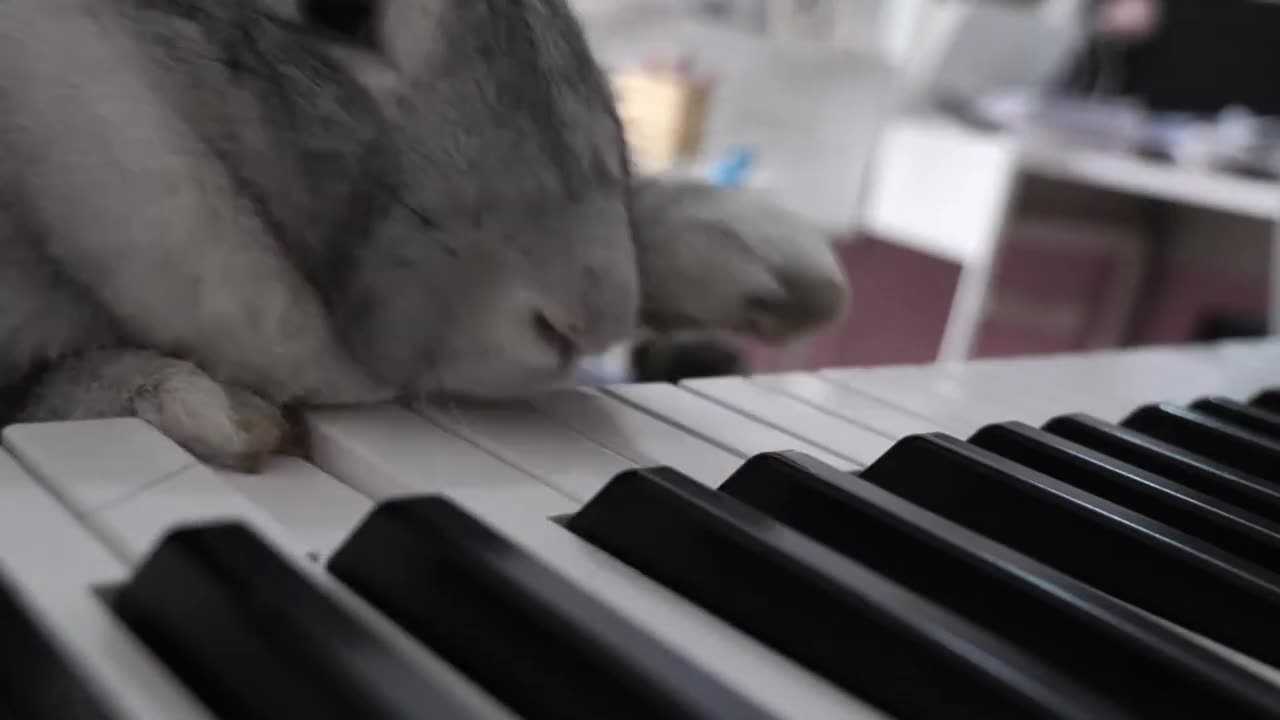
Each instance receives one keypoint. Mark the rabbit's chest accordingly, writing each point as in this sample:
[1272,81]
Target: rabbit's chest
[43,314]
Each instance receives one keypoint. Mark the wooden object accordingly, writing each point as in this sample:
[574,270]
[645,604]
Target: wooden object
[664,115]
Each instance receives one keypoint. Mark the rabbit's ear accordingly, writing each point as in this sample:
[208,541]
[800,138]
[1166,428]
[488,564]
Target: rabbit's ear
[716,259]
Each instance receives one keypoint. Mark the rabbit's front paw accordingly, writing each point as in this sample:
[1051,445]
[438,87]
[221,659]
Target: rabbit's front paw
[714,259]
[224,426]
[227,427]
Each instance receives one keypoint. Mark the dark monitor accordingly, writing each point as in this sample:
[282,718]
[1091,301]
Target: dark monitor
[1207,55]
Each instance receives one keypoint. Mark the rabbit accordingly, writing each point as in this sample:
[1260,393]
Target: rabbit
[211,210]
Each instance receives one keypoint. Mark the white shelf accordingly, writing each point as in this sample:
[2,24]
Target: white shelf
[1134,175]
[941,187]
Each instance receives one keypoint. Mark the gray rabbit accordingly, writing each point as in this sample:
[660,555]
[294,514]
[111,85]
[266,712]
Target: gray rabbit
[212,209]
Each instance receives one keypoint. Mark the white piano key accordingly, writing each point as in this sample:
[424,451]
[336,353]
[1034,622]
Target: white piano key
[1105,389]
[1100,384]
[871,413]
[1198,372]
[1030,390]
[536,444]
[199,495]
[134,521]
[966,396]
[1108,387]
[852,442]
[1249,367]
[136,525]
[316,509]
[927,394]
[638,436]
[774,682]
[716,424]
[56,564]
[885,373]
[1026,386]
[108,462]
[389,452]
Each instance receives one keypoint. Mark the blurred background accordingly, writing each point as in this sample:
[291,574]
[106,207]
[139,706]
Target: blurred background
[1000,176]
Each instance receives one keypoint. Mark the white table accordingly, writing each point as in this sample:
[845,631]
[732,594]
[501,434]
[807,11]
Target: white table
[945,188]
[1135,175]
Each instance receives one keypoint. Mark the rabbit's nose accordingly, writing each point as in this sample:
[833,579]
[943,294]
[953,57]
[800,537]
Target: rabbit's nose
[569,338]
[564,337]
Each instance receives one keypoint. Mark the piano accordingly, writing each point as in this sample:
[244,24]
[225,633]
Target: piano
[1076,536]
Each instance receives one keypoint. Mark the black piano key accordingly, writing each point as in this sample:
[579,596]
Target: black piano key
[256,640]
[1118,551]
[1177,464]
[896,650]
[1250,418]
[1268,400]
[533,640]
[37,681]
[1230,528]
[1102,643]
[1214,439]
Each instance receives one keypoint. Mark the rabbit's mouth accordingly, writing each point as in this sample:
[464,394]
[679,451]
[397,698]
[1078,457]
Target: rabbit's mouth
[670,321]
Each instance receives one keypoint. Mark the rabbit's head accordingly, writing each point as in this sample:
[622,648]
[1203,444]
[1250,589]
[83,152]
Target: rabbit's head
[503,251]
[511,239]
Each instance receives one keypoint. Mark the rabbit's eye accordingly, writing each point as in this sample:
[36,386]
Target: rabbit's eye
[350,19]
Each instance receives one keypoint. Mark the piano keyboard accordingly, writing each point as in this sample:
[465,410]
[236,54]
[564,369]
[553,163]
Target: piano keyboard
[1091,536]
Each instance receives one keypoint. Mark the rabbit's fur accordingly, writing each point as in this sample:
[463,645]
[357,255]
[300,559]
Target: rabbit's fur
[212,208]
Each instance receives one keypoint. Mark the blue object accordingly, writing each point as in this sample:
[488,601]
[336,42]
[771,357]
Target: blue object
[731,172]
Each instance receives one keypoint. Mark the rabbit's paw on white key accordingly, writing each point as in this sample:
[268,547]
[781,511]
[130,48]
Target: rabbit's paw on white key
[223,425]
